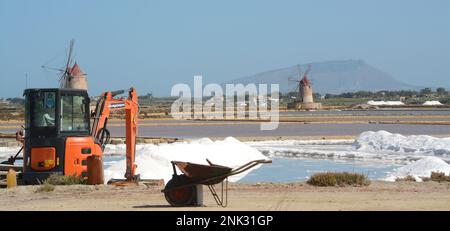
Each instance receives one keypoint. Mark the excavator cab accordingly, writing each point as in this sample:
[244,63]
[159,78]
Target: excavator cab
[57,134]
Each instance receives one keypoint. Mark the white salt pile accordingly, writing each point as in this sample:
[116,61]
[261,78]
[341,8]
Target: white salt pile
[153,161]
[6,152]
[385,103]
[421,168]
[275,143]
[415,144]
[374,147]
[432,103]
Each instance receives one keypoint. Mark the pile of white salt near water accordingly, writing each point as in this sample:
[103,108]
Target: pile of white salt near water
[419,145]
[153,161]
[385,103]
[430,152]
[432,103]
[421,168]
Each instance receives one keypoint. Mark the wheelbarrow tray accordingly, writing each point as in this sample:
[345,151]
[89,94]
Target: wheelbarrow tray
[201,173]
[179,191]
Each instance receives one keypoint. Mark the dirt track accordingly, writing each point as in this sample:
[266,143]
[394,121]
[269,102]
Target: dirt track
[377,196]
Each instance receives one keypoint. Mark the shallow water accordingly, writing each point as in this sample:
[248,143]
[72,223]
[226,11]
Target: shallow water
[295,170]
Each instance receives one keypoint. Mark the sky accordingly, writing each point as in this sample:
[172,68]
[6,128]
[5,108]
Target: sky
[155,44]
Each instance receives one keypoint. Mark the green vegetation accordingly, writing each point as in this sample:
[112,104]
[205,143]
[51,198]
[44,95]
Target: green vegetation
[342,101]
[441,91]
[438,177]
[338,179]
[445,100]
[46,187]
[426,91]
[406,178]
[56,179]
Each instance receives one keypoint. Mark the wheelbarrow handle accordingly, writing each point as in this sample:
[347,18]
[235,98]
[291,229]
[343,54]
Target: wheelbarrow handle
[265,161]
[252,164]
[174,168]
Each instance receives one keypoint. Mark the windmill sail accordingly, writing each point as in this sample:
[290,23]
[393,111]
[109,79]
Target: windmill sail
[64,80]
[71,76]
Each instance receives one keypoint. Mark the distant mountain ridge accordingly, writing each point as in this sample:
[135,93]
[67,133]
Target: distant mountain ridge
[334,77]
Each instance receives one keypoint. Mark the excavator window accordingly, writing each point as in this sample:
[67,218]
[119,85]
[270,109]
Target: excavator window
[44,109]
[53,112]
[74,117]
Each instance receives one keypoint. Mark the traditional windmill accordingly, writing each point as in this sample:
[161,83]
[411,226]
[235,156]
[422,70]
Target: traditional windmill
[305,94]
[303,87]
[71,76]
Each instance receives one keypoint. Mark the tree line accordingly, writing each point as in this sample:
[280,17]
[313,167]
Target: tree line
[425,92]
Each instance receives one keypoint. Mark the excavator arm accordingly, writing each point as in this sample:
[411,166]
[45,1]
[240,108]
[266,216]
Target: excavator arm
[105,105]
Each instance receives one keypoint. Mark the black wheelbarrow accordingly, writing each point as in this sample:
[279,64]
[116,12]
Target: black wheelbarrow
[181,189]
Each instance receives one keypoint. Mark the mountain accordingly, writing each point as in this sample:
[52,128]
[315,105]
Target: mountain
[336,76]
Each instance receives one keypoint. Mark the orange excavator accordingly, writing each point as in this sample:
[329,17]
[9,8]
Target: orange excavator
[58,133]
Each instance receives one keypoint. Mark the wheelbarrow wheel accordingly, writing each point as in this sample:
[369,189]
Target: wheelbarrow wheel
[182,196]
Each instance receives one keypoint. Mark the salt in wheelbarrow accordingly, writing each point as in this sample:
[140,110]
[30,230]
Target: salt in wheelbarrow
[181,189]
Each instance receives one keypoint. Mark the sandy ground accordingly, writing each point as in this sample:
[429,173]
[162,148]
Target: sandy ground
[267,196]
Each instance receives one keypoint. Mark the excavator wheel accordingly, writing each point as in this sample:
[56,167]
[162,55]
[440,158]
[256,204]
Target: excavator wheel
[182,196]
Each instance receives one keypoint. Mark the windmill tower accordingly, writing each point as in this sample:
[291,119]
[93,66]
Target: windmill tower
[305,89]
[305,98]
[71,76]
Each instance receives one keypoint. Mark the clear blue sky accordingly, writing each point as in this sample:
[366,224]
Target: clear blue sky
[155,44]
